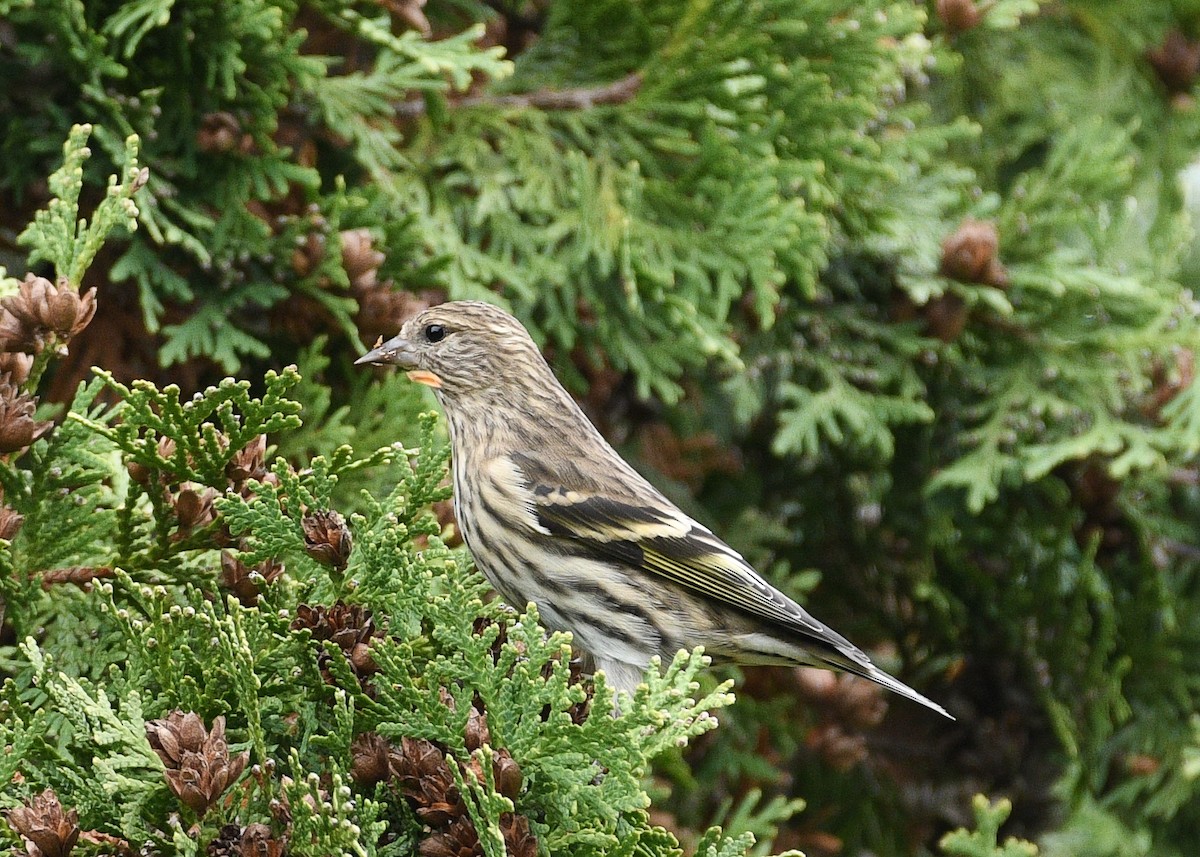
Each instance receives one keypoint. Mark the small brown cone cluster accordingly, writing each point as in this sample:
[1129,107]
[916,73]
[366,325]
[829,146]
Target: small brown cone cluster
[43,314]
[18,428]
[958,16]
[381,308]
[194,507]
[221,132]
[198,766]
[327,539]
[1176,62]
[192,502]
[350,627]
[421,773]
[253,840]
[970,254]
[248,463]
[48,831]
[244,582]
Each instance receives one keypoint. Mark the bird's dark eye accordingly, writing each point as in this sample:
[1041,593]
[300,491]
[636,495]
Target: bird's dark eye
[435,332]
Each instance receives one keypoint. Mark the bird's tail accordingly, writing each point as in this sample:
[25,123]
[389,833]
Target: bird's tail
[868,670]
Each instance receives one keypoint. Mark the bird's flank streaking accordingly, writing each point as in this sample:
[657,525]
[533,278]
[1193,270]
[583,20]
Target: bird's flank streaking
[553,515]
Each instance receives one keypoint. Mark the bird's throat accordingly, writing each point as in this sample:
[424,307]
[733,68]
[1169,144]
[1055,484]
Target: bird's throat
[421,376]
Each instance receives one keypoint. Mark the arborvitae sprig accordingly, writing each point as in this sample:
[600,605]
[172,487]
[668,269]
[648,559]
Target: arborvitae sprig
[984,841]
[207,432]
[59,234]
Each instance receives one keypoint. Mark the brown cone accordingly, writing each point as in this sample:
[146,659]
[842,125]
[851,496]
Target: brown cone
[370,760]
[18,428]
[423,776]
[47,830]
[10,522]
[245,582]
[969,254]
[458,839]
[327,539]
[1176,62]
[41,310]
[247,463]
[958,16]
[350,626]
[198,766]
[519,840]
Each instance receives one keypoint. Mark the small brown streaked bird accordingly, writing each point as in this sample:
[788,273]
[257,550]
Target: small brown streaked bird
[553,515]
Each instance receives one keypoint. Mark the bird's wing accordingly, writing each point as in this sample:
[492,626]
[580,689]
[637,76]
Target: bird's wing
[655,536]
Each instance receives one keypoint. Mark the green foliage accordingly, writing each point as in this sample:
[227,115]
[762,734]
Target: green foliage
[58,234]
[735,221]
[984,841]
[175,645]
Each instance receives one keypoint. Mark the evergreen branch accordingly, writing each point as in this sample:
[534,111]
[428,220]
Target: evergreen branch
[58,234]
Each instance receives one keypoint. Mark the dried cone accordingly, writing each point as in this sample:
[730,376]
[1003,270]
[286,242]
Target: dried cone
[360,259]
[1176,62]
[245,582]
[423,776]
[458,839]
[254,840]
[18,428]
[350,626]
[198,766]
[220,132]
[15,365]
[194,506]
[519,840]
[248,463]
[41,311]
[411,12]
[958,16]
[477,733]
[47,830]
[969,255]
[370,759]
[327,538]
[946,317]
[139,472]
[507,773]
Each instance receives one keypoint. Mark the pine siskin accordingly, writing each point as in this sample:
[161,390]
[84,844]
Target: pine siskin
[553,515]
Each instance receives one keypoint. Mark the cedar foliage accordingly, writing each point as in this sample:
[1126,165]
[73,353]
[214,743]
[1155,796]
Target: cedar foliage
[897,295]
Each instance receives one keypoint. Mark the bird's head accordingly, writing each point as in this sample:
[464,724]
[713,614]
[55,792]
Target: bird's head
[460,347]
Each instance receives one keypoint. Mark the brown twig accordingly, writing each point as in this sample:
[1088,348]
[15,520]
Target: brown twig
[80,575]
[582,98]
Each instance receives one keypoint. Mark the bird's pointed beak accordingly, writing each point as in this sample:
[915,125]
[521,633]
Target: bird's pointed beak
[394,352]
[399,352]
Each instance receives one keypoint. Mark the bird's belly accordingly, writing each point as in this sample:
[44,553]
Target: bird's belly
[606,616]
